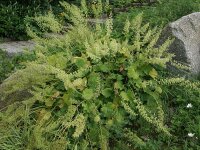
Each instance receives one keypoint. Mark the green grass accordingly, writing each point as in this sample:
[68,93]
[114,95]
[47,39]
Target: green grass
[161,13]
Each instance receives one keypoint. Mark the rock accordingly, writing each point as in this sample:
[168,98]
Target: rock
[12,47]
[186,45]
[18,96]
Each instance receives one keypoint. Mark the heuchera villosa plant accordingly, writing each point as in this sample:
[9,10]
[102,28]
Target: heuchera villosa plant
[89,89]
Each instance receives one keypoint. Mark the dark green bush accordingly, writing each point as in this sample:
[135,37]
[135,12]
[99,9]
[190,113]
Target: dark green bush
[10,22]
[12,19]
[12,14]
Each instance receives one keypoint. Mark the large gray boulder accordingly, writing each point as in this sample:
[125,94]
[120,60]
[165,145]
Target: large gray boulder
[186,45]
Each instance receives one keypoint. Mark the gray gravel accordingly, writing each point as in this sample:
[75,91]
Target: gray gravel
[13,47]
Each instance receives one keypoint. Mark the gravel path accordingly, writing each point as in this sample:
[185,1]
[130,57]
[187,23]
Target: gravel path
[13,47]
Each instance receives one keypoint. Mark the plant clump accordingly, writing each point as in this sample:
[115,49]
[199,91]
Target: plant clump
[90,89]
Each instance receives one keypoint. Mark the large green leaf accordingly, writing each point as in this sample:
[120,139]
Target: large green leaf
[88,94]
[107,92]
[153,73]
[132,73]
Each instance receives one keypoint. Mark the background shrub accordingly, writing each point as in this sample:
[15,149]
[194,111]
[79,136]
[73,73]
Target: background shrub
[12,14]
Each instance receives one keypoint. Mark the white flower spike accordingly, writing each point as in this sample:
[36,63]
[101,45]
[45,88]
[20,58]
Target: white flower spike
[189,105]
[190,134]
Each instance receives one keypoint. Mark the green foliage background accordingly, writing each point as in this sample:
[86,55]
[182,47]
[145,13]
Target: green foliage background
[13,12]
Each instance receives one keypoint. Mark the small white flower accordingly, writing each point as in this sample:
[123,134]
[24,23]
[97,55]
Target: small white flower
[189,105]
[190,134]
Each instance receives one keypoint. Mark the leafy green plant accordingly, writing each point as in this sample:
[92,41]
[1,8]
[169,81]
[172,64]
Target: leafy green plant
[92,90]
[9,63]
[39,25]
